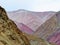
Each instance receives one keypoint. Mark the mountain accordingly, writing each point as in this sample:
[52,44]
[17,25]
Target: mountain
[29,18]
[42,24]
[58,17]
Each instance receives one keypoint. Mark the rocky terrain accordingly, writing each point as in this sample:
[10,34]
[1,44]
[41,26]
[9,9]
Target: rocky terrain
[29,22]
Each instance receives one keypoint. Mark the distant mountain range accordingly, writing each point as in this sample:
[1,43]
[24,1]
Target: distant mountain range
[23,13]
[28,18]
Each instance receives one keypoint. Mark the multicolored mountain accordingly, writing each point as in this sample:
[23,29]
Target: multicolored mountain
[42,24]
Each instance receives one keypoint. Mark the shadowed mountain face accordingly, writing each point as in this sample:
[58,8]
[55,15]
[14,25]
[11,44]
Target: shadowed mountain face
[9,33]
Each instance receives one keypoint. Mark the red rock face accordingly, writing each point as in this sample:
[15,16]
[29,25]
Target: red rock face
[24,28]
[55,38]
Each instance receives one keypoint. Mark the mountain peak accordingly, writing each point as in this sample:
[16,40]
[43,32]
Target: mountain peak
[19,10]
